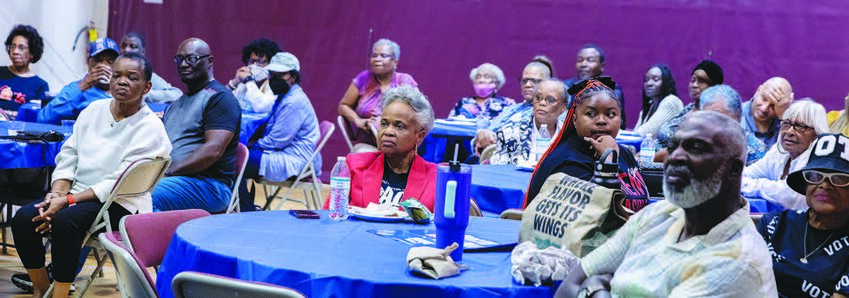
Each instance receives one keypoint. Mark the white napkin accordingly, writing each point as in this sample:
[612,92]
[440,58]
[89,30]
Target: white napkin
[534,266]
[432,262]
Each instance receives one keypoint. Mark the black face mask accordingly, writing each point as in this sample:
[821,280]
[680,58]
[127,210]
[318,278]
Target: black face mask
[278,86]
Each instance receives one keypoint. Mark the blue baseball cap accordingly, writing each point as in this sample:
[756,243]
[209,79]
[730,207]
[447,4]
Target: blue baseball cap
[101,45]
[827,154]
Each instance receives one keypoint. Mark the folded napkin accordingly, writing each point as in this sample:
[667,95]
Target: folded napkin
[534,266]
[432,262]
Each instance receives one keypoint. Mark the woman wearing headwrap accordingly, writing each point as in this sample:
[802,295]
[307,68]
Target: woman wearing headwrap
[707,73]
[592,124]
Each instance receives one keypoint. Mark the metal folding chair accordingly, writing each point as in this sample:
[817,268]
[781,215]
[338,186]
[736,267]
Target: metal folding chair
[193,284]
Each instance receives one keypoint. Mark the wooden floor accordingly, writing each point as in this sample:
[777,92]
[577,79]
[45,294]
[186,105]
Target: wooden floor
[105,286]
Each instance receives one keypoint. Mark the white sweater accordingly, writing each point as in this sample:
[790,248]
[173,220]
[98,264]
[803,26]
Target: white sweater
[668,108]
[763,179]
[100,149]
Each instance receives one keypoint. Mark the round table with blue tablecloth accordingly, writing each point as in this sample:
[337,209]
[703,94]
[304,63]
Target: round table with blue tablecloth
[499,187]
[322,258]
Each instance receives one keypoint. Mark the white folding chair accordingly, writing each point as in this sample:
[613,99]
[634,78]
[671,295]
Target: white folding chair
[242,155]
[139,178]
[307,175]
[354,148]
[193,284]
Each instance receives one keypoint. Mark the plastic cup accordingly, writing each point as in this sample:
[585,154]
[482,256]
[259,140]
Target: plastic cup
[453,190]
[68,126]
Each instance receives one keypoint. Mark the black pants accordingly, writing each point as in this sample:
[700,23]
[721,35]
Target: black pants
[69,227]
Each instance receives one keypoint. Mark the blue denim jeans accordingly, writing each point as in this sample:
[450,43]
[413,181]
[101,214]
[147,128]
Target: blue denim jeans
[182,192]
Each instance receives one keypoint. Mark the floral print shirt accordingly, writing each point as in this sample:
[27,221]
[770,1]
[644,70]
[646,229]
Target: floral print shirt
[469,108]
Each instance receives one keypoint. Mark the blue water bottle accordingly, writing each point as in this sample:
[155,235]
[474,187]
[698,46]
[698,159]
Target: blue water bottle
[451,210]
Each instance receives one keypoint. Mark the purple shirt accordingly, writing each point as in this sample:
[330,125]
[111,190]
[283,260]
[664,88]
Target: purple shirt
[369,91]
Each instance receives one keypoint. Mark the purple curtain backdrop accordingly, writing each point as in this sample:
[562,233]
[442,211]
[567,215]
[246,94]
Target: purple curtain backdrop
[442,40]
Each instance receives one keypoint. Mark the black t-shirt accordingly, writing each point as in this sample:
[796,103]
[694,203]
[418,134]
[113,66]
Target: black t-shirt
[392,185]
[827,269]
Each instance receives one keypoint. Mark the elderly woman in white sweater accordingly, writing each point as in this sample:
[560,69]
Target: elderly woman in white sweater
[766,178]
[108,136]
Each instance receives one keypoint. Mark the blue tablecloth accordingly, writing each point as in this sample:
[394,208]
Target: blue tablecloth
[14,155]
[321,258]
[250,122]
[434,144]
[499,187]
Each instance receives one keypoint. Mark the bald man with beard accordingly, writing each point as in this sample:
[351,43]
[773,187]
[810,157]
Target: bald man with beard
[203,126]
[762,114]
[700,241]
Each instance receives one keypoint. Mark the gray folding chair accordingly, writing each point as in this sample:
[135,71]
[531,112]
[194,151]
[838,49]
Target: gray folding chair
[193,284]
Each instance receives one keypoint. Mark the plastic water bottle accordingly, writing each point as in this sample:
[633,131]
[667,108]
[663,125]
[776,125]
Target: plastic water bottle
[543,140]
[482,121]
[340,186]
[647,150]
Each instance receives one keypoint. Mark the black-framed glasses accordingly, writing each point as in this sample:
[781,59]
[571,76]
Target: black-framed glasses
[524,81]
[817,177]
[798,127]
[191,59]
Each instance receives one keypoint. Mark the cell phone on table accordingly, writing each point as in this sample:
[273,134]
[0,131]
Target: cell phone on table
[304,214]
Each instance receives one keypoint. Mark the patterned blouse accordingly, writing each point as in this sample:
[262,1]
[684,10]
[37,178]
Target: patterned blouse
[469,108]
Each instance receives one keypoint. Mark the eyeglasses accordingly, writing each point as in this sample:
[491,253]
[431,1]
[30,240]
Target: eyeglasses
[798,127]
[817,177]
[548,99]
[530,80]
[22,48]
[384,56]
[191,59]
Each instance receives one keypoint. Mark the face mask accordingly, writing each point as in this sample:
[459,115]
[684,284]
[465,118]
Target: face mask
[278,85]
[259,73]
[484,90]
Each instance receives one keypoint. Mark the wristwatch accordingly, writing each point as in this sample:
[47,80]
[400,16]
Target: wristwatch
[587,292]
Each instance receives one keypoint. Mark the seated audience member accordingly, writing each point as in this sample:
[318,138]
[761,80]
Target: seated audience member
[707,73]
[838,121]
[819,266]
[94,86]
[250,85]
[203,126]
[18,84]
[487,79]
[699,242]
[660,100]
[516,139]
[395,172]
[725,100]
[803,121]
[590,64]
[535,72]
[762,113]
[290,134]
[361,104]
[110,135]
[161,91]
[592,124]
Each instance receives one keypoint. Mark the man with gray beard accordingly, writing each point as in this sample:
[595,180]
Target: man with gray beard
[699,241]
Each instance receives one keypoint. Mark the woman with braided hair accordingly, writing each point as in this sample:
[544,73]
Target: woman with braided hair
[592,124]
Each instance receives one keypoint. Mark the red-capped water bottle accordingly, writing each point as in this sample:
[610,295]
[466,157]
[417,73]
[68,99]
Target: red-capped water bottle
[340,186]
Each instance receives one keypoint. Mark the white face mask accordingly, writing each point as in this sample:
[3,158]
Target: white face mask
[697,192]
[259,73]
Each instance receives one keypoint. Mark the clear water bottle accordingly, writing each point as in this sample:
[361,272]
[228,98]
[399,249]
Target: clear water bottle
[340,186]
[647,150]
[543,140]
[482,121]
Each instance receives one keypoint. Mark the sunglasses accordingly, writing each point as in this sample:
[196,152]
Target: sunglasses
[817,177]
